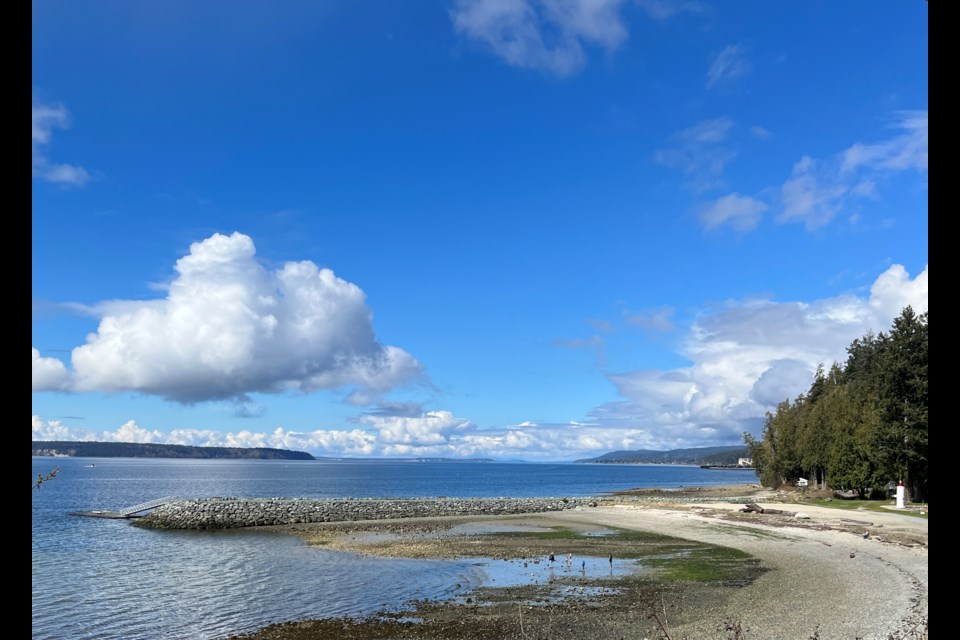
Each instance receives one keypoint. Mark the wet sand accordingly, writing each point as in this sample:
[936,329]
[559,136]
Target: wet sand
[836,574]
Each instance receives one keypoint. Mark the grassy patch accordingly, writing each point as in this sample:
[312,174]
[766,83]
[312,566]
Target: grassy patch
[880,506]
[632,535]
[319,542]
[707,563]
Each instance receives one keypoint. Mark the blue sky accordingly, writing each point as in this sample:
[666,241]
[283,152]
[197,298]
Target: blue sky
[535,229]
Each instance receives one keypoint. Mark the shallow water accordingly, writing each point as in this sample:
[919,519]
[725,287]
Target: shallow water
[538,571]
[103,579]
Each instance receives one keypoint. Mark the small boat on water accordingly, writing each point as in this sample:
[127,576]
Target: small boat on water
[91,465]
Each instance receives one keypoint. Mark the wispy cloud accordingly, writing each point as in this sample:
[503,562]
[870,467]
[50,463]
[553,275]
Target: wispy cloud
[229,327]
[42,308]
[707,131]
[545,35]
[740,212]
[660,320]
[730,63]
[760,132]
[812,195]
[404,409]
[900,153]
[592,342]
[45,119]
[818,190]
[600,324]
[700,154]
[865,189]
[663,10]
[245,407]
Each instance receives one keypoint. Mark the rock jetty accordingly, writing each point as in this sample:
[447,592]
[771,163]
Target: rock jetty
[231,513]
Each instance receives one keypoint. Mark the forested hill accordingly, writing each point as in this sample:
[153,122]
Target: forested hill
[151,450]
[698,455]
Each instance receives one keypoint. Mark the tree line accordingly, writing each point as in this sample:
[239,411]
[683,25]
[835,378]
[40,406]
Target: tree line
[861,424]
[86,449]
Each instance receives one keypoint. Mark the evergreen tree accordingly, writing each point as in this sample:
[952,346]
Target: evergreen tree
[860,425]
[901,442]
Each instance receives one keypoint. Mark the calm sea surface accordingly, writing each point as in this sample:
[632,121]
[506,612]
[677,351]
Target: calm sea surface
[96,578]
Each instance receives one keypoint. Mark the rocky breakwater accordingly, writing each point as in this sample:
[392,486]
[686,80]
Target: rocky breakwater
[231,513]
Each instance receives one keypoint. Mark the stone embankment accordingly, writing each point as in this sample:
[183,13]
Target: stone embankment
[231,513]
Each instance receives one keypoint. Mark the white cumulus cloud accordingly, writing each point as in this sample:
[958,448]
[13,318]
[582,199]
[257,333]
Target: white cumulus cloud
[321,442]
[49,374]
[228,327]
[894,290]
[744,359]
[431,428]
[52,430]
[130,431]
[748,357]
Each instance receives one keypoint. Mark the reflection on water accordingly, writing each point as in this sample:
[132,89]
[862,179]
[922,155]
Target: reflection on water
[211,584]
[103,579]
[519,572]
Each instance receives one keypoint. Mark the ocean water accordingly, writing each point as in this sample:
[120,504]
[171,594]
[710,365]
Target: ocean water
[94,578]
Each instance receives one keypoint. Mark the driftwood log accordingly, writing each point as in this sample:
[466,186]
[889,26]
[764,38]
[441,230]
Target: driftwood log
[755,508]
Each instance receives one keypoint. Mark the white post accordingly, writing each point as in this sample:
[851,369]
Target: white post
[901,491]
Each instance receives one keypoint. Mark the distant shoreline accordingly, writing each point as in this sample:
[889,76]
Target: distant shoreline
[82,449]
[725,467]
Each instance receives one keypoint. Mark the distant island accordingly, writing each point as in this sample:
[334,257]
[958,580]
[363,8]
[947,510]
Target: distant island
[373,460]
[457,460]
[484,460]
[723,457]
[152,450]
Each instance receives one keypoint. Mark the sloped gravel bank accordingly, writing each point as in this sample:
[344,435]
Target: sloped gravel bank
[231,513]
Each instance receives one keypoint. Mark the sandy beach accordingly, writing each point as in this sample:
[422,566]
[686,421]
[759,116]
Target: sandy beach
[828,574]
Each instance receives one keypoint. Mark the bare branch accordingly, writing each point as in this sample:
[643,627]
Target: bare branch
[41,478]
